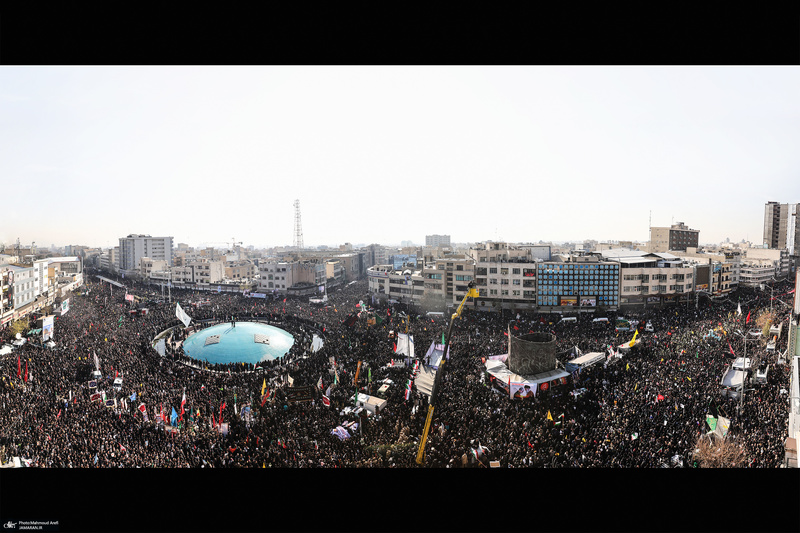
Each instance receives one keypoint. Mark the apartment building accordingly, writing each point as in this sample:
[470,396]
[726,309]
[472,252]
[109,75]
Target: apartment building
[675,237]
[404,286]
[135,246]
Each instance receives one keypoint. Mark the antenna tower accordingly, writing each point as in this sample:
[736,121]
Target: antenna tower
[298,228]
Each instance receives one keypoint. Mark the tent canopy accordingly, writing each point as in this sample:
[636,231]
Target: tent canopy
[499,370]
[585,360]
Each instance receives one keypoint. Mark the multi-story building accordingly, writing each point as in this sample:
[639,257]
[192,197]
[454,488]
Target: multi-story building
[133,247]
[404,286]
[147,266]
[6,298]
[583,283]
[652,278]
[781,226]
[437,241]
[730,261]
[780,257]
[334,273]
[239,270]
[276,276]
[22,292]
[756,272]
[109,260]
[676,237]
[446,279]
[374,254]
[505,276]
[199,272]
[782,230]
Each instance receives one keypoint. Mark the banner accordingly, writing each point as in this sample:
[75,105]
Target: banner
[96,396]
[522,390]
[129,297]
[161,346]
[299,394]
[182,316]
[47,328]
[143,409]
[64,307]
[405,345]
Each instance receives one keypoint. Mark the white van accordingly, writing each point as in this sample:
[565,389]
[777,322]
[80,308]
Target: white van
[649,327]
[569,319]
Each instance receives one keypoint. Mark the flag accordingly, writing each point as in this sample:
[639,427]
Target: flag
[659,398]
[133,397]
[326,401]
[263,386]
[731,348]
[264,398]
[319,383]
[143,409]
[628,366]
[183,402]
[560,419]
[739,310]
[221,407]
[96,362]
[173,418]
[549,416]
[747,321]
[407,394]
[633,340]
[182,316]
[26,371]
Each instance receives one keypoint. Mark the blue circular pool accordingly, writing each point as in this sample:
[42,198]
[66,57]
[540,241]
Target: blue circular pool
[248,342]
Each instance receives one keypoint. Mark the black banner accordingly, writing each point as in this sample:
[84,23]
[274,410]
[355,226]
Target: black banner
[300,394]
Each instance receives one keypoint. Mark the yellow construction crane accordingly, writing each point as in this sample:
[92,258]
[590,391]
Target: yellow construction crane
[472,292]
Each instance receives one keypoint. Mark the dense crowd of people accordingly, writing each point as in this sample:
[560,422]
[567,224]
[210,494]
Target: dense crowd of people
[640,410]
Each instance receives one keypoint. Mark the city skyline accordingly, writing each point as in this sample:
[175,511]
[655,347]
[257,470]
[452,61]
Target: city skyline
[387,154]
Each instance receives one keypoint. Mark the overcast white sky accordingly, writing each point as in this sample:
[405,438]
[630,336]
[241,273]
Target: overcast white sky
[386,154]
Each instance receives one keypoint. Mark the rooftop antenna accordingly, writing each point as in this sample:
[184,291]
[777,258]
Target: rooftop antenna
[298,229]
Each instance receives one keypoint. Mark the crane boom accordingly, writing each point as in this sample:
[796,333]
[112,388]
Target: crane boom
[472,292]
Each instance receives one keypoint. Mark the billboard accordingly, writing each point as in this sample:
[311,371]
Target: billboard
[569,300]
[588,302]
[64,307]
[47,328]
[523,391]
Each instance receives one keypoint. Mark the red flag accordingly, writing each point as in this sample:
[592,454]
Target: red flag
[326,401]
[26,371]
[731,347]
[19,367]
[659,398]
[544,386]
[747,321]
[264,399]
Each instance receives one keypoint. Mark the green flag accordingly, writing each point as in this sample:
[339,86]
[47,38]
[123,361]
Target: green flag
[712,422]
[369,375]
[442,338]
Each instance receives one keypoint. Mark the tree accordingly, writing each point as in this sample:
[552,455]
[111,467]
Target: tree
[713,451]
[19,326]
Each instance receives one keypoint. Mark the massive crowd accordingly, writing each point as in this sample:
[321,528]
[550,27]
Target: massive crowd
[641,410]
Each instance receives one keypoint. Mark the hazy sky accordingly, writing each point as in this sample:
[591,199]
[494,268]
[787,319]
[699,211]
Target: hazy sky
[385,154]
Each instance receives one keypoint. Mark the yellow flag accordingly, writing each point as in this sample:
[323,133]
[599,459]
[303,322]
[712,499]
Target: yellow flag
[628,366]
[263,387]
[634,337]
[690,379]
[549,416]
